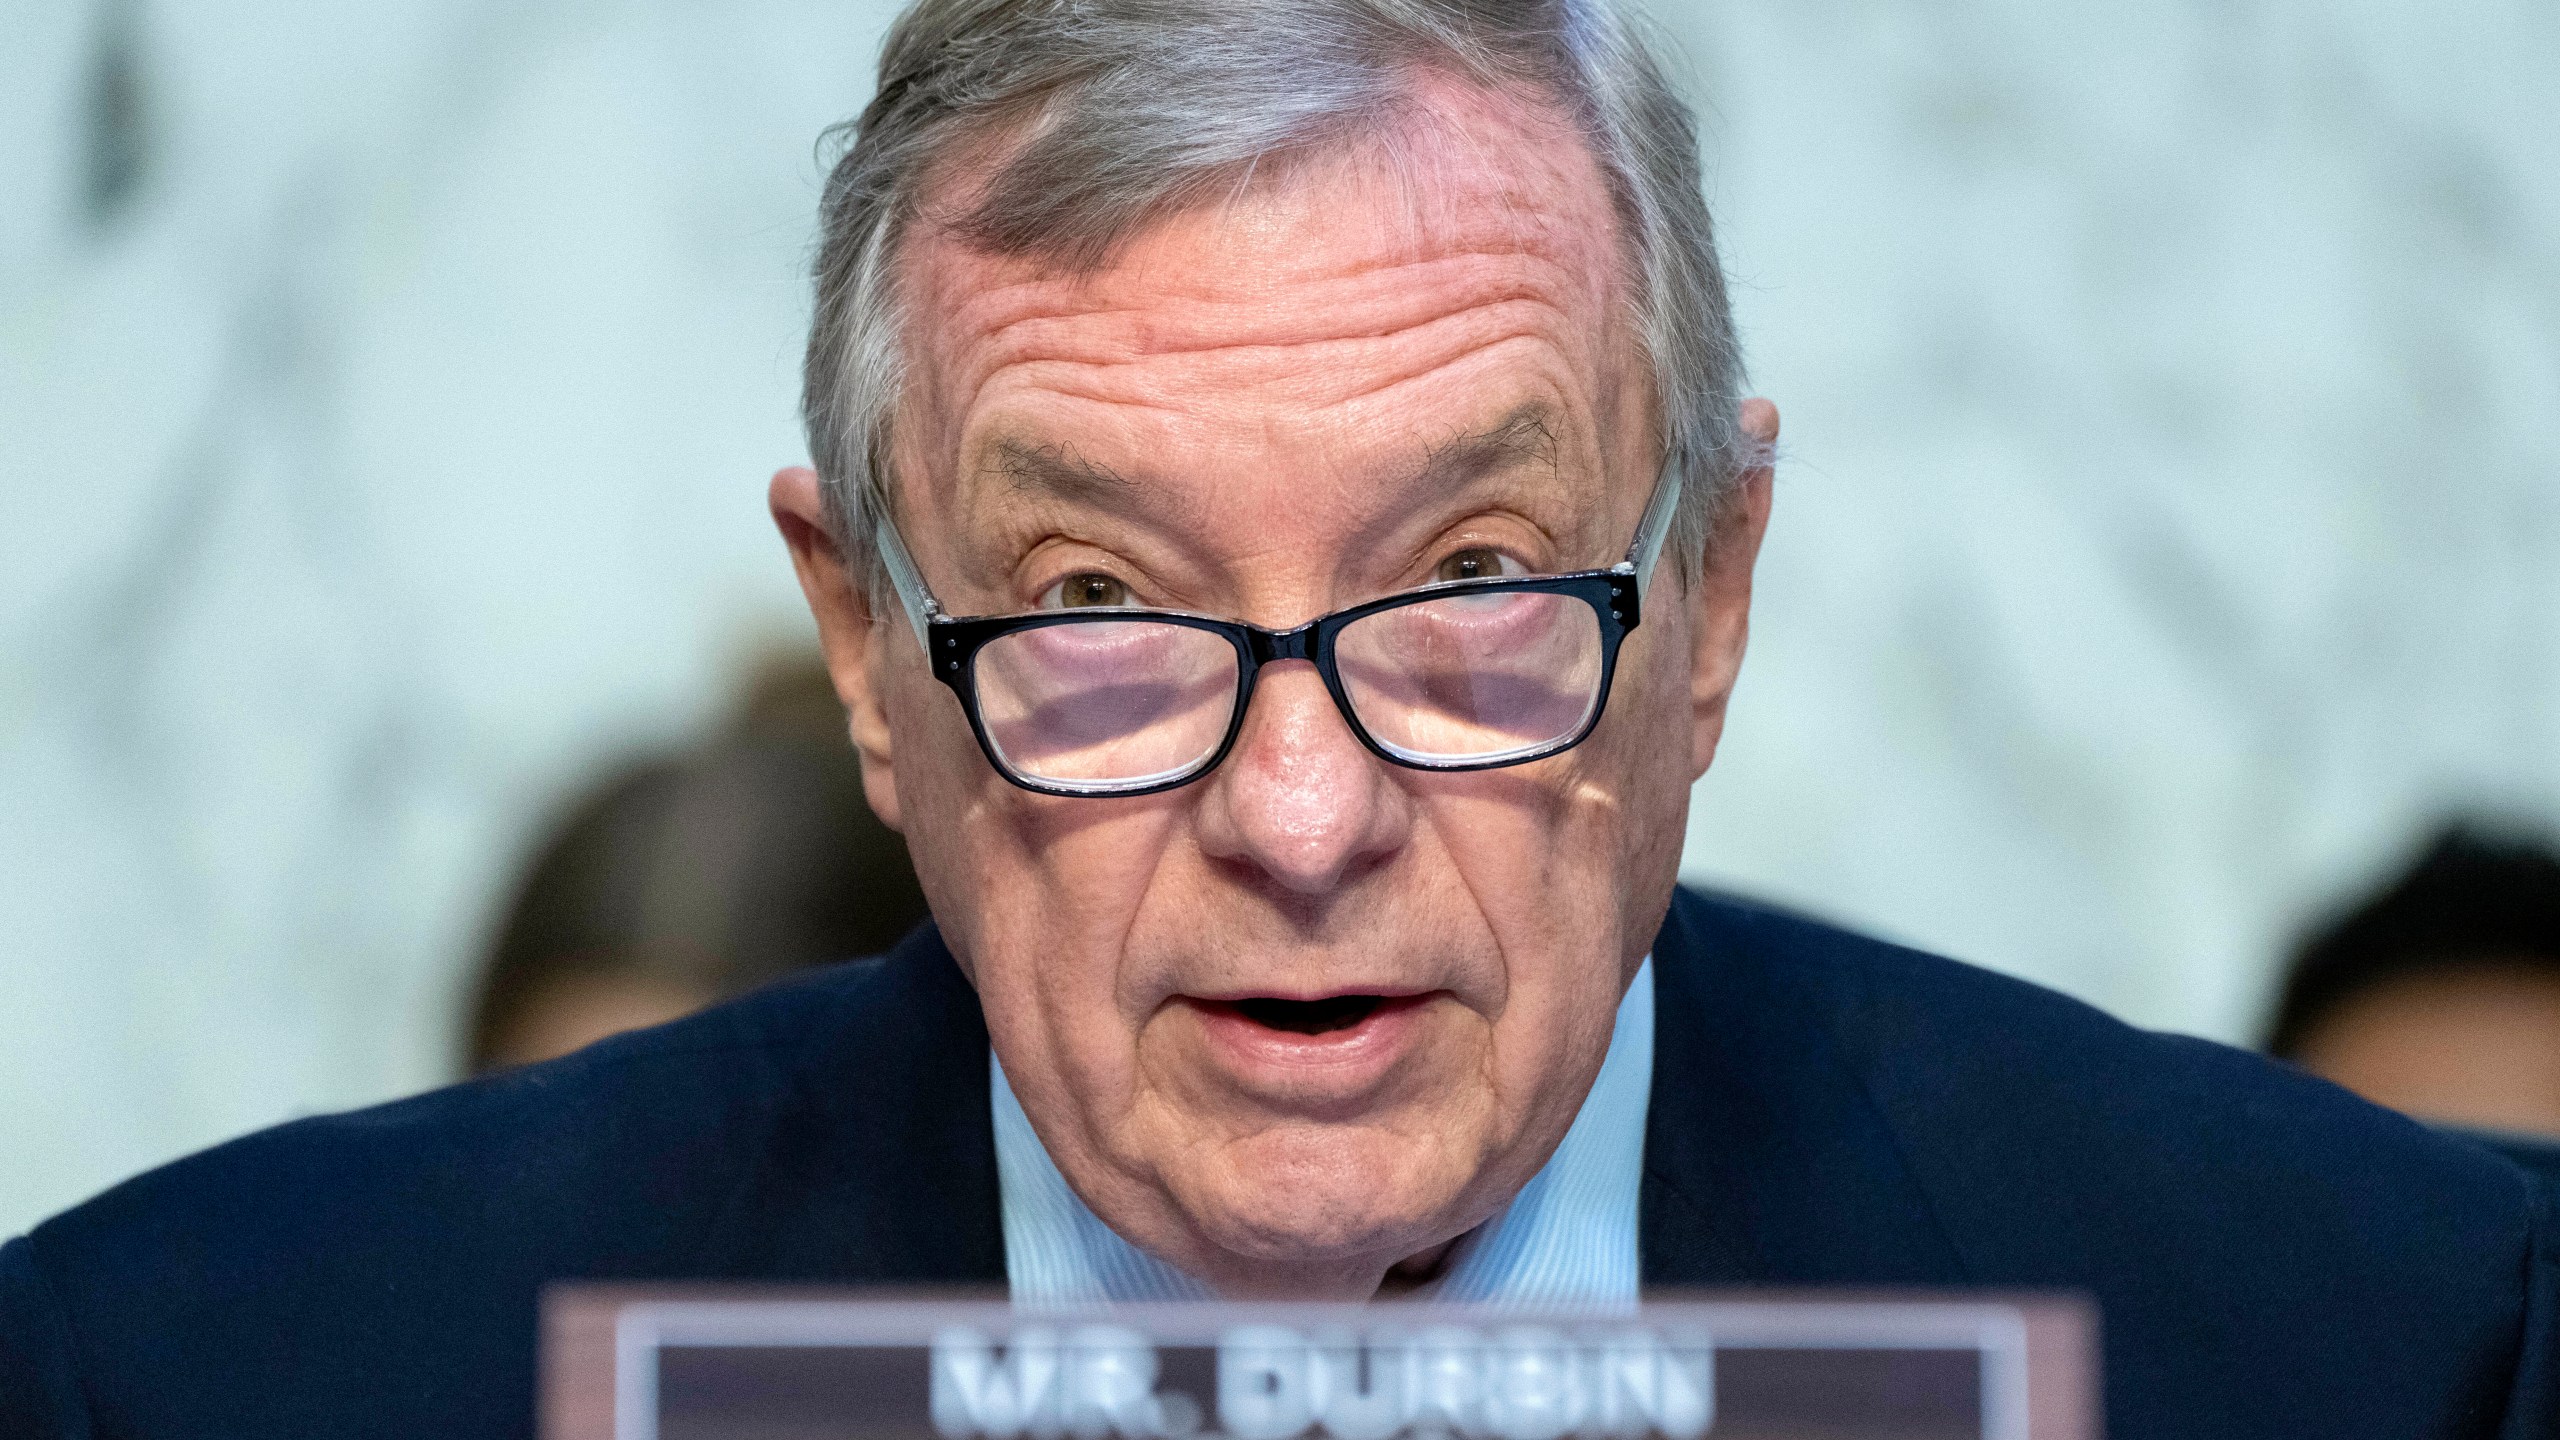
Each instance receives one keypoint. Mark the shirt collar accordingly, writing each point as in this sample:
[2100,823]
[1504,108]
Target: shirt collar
[1568,1238]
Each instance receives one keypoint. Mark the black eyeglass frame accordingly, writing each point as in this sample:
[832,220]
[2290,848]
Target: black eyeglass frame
[1615,595]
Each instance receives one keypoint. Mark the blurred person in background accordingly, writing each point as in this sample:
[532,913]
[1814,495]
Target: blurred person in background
[2438,994]
[687,878]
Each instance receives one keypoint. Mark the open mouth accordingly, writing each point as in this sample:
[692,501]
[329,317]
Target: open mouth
[1310,1017]
[1320,1050]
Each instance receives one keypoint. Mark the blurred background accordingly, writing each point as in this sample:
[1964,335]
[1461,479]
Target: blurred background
[2168,535]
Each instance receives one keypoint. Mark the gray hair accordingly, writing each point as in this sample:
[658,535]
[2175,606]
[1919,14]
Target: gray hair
[1135,110]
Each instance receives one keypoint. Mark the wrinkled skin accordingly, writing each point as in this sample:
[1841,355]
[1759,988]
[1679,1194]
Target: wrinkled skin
[1307,396]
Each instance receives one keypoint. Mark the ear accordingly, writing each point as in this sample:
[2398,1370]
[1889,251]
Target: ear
[1721,606]
[846,634]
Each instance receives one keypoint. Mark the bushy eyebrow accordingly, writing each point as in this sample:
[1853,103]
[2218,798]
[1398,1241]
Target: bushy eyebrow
[1057,469]
[1526,434]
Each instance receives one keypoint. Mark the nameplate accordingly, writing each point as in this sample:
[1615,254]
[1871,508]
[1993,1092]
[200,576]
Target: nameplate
[624,1363]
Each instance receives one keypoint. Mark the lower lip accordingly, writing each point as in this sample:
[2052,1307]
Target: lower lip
[1337,1061]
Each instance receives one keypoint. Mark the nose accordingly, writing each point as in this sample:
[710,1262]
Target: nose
[1299,803]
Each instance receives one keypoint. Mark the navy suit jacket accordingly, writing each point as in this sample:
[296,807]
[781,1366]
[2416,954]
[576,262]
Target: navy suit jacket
[2272,1257]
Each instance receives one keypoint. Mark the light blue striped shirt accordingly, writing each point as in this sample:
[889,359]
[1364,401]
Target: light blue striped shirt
[1568,1237]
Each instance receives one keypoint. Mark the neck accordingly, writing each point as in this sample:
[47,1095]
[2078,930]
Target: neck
[1353,1281]
[1415,1271]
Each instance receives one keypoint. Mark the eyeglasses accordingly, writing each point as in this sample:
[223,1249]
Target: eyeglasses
[1126,700]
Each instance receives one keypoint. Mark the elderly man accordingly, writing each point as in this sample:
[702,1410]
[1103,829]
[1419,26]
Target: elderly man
[1282,528]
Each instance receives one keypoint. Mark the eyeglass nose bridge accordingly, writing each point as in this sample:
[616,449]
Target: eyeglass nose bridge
[1270,646]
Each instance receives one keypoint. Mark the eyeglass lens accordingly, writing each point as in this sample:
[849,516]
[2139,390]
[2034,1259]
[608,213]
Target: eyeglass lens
[1472,677]
[1108,703]
[1121,704]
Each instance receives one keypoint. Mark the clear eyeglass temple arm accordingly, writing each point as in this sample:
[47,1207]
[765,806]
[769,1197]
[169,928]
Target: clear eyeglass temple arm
[913,598]
[1655,527]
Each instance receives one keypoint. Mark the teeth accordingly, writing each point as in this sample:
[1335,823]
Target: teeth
[1310,1017]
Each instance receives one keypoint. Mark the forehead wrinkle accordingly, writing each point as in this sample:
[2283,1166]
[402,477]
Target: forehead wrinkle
[1157,314]
[1325,376]
[1372,283]
[1343,392]
[1458,171]
[1139,347]
[1203,283]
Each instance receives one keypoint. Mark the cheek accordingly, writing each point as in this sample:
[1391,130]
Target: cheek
[1047,923]
[1648,747]
[1542,867]
[933,763]
[1002,864]
[1538,853]
[1568,857]
[1035,895]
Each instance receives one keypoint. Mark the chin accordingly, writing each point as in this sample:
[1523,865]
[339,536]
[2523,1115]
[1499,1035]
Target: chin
[1326,1195]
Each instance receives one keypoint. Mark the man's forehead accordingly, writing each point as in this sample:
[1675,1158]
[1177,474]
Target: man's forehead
[1471,198]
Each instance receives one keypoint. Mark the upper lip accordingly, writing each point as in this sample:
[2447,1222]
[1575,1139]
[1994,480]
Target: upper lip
[1329,992]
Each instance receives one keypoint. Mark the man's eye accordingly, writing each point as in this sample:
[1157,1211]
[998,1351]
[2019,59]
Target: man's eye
[1476,563]
[1082,590]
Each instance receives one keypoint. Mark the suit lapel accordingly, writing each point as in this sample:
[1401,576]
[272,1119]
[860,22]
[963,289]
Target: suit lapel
[1765,1161]
[906,1184]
